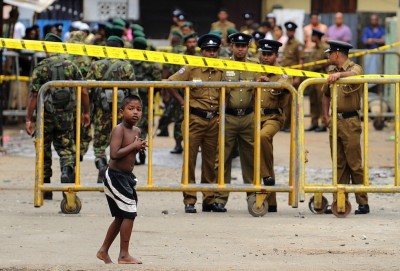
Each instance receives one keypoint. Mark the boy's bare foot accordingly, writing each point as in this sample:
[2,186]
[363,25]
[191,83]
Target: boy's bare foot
[128,260]
[104,257]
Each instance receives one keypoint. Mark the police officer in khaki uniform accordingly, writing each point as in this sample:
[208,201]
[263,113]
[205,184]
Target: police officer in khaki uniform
[239,119]
[292,55]
[349,161]
[203,123]
[273,101]
[315,90]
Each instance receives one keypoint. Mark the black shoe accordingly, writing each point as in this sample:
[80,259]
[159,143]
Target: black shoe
[142,158]
[67,175]
[286,130]
[328,210]
[163,133]
[272,209]
[215,207]
[81,157]
[268,181]
[190,209]
[311,128]
[321,129]
[48,195]
[177,150]
[101,165]
[362,210]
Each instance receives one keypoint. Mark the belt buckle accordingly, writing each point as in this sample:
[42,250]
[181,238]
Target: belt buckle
[210,115]
[240,112]
[339,116]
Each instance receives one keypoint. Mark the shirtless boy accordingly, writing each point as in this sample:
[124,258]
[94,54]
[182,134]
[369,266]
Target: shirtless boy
[119,184]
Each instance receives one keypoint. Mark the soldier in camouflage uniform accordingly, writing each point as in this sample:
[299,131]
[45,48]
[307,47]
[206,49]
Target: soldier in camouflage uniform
[144,71]
[83,63]
[107,70]
[58,113]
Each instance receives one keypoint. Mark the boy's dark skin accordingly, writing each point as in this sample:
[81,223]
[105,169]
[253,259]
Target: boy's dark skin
[125,143]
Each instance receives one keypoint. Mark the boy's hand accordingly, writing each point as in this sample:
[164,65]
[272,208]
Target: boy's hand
[139,144]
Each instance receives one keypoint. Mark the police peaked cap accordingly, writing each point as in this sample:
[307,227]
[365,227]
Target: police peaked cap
[341,46]
[239,38]
[316,32]
[257,35]
[209,40]
[269,45]
[248,16]
[290,26]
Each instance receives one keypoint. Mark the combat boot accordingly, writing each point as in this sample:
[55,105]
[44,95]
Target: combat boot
[67,175]
[47,195]
[178,147]
[101,165]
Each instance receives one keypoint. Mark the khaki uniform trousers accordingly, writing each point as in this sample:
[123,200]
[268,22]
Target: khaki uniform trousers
[269,128]
[349,162]
[239,128]
[202,133]
[315,104]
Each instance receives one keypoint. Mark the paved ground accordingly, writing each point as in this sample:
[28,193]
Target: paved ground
[292,239]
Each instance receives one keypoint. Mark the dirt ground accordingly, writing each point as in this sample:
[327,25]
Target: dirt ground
[292,239]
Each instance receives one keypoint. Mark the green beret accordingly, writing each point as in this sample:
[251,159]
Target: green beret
[138,33]
[139,43]
[116,39]
[53,38]
[231,31]
[119,21]
[189,36]
[216,32]
[117,30]
[137,27]
[187,24]
[176,33]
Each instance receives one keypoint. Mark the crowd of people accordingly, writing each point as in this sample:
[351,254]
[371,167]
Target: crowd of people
[253,42]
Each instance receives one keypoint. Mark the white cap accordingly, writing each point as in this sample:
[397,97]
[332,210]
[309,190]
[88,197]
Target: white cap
[84,26]
[76,24]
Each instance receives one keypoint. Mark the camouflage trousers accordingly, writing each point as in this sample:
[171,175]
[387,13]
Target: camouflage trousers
[86,137]
[173,113]
[58,129]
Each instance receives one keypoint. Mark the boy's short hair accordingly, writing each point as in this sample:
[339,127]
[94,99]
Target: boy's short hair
[130,98]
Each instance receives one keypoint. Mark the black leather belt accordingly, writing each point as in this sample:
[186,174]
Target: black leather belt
[346,115]
[203,113]
[238,111]
[268,111]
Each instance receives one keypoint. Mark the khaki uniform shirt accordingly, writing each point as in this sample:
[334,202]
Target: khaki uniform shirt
[223,27]
[292,53]
[318,54]
[239,98]
[348,96]
[275,98]
[201,98]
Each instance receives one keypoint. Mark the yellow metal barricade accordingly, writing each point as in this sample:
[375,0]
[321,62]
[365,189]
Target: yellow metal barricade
[257,205]
[341,207]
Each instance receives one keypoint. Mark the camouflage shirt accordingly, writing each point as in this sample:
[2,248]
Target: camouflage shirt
[124,72]
[42,72]
[82,62]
